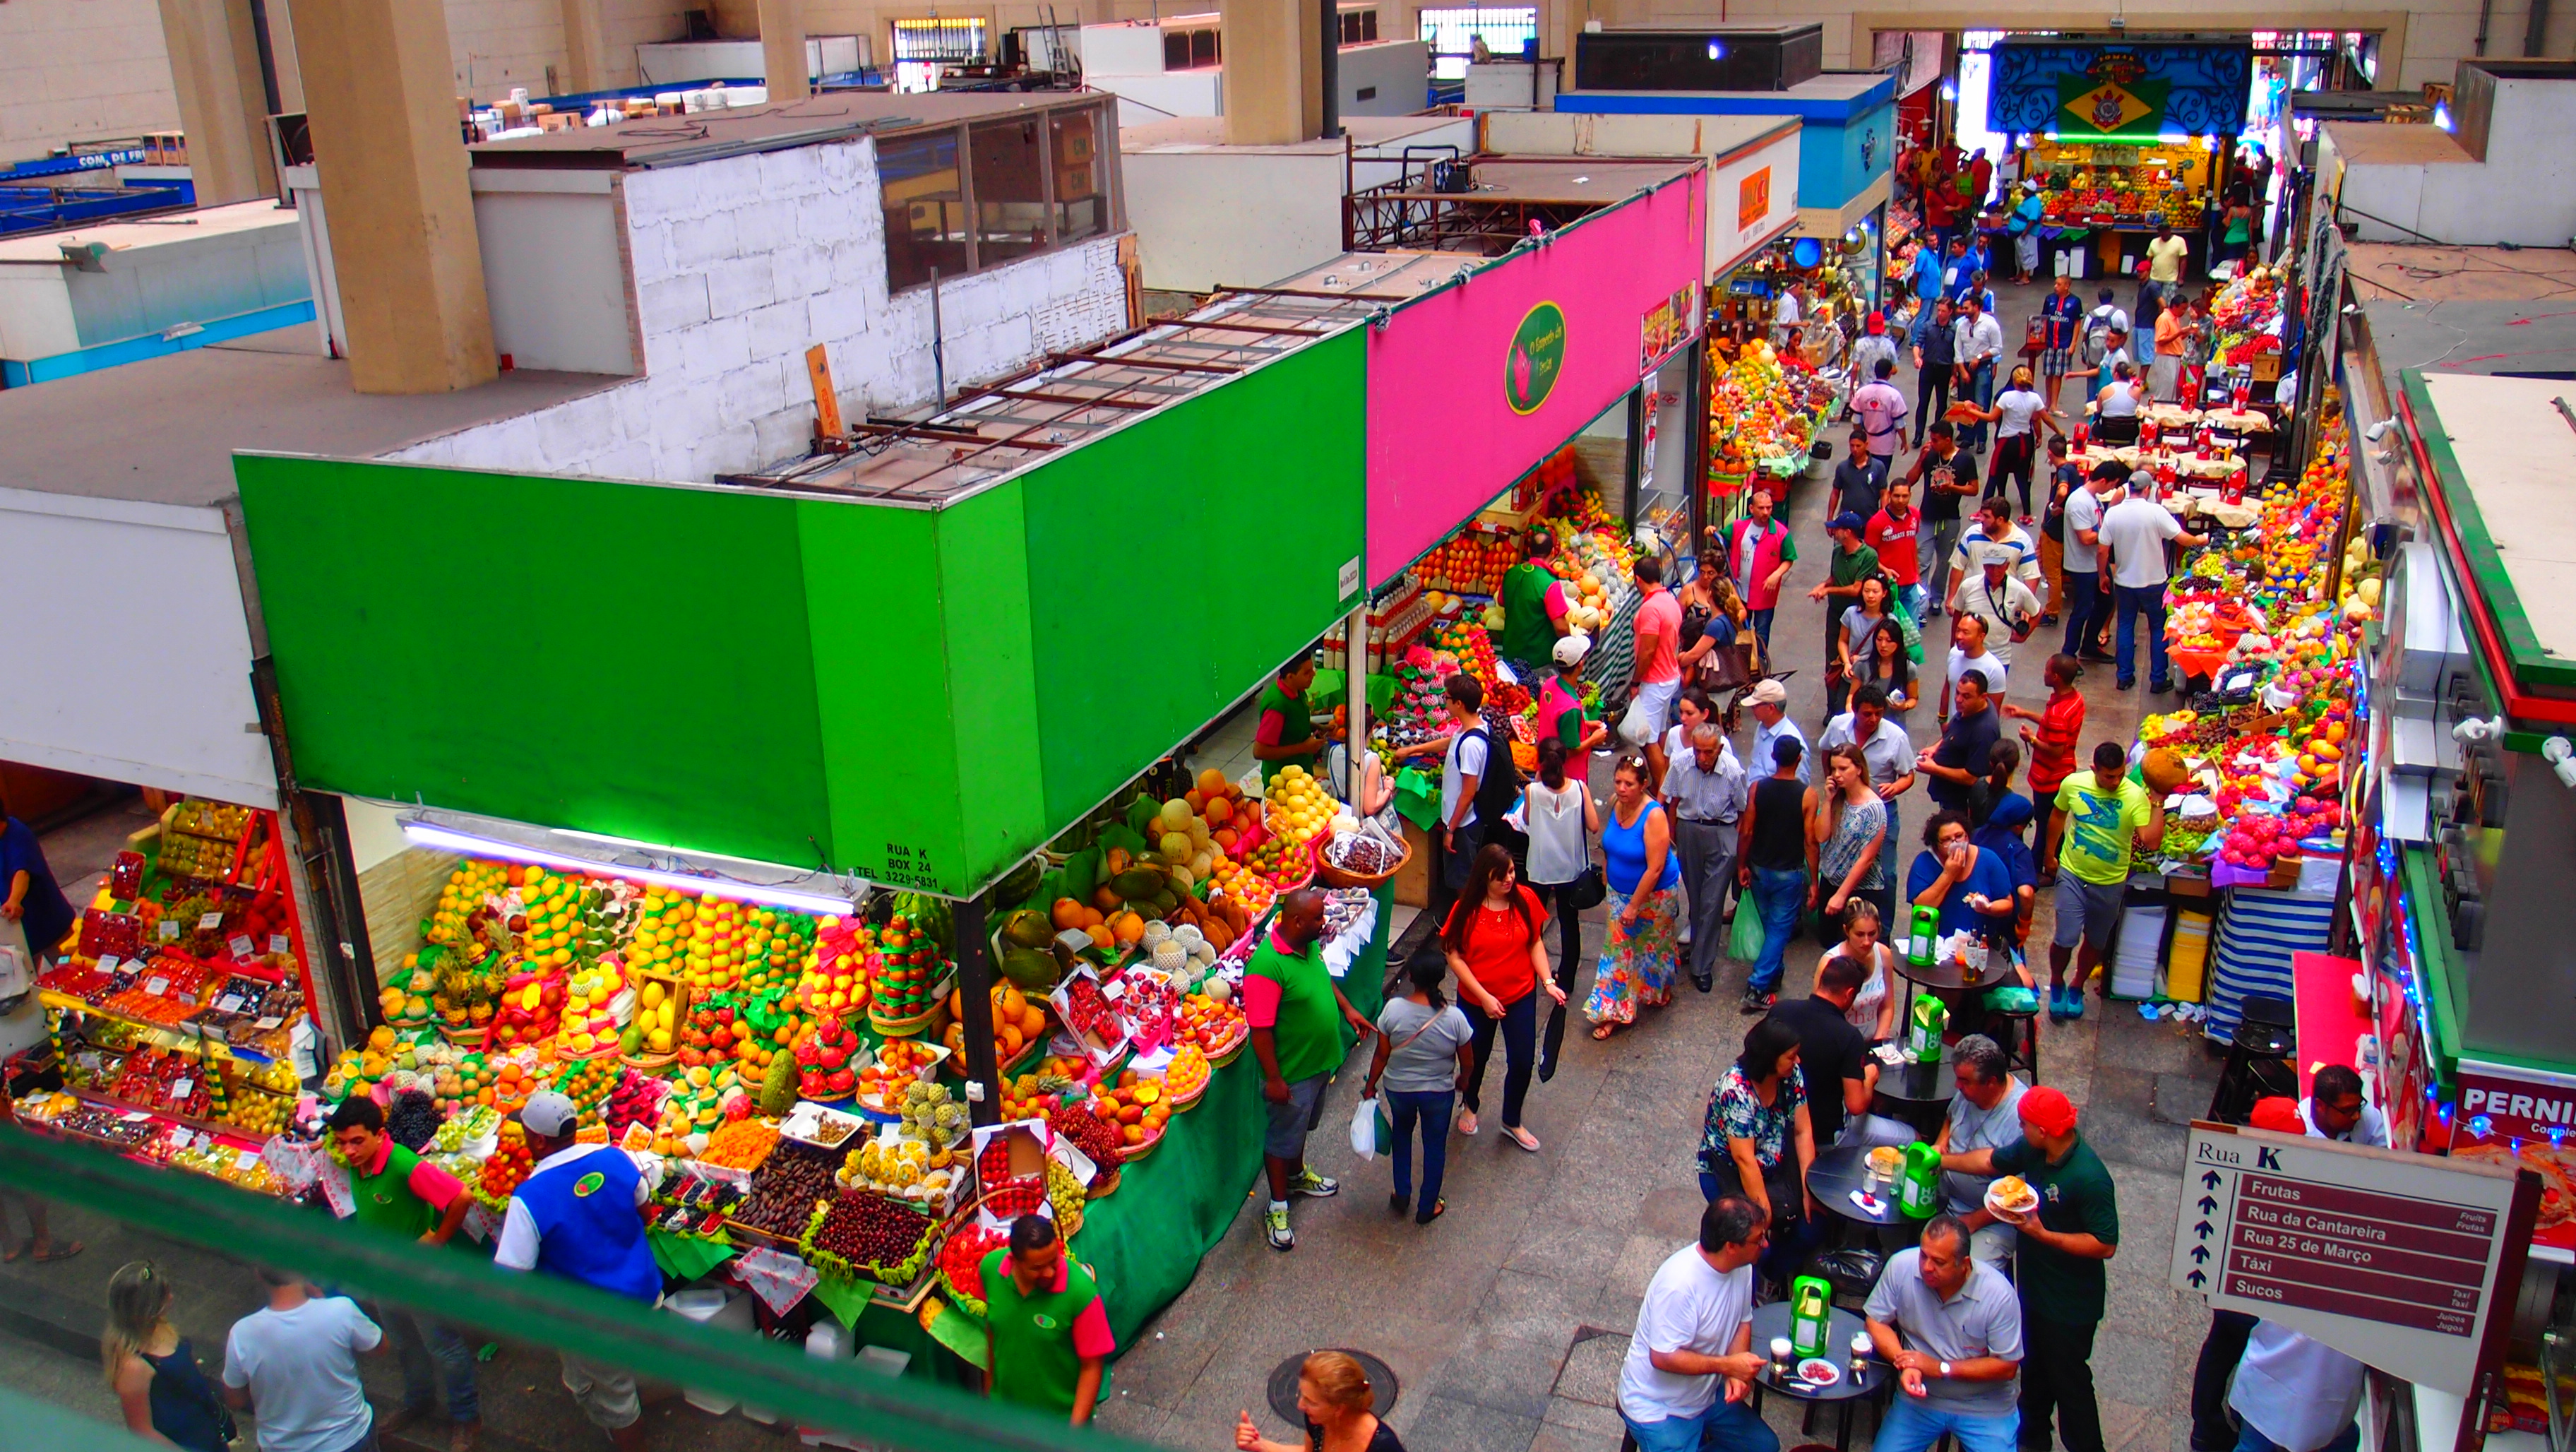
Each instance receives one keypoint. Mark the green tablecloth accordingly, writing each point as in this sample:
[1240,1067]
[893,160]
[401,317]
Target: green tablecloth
[1144,1242]
[686,1256]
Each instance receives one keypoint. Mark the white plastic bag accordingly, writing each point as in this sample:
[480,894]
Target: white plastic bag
[1364,1129]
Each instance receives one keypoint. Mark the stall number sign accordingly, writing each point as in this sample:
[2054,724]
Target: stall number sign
[2394,1259]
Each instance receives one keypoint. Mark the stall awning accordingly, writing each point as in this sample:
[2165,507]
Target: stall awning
[915,678]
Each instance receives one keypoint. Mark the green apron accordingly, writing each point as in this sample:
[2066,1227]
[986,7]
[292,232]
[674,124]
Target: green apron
[1295,725]
[386,1200]
[1034,1363]
[1529,637]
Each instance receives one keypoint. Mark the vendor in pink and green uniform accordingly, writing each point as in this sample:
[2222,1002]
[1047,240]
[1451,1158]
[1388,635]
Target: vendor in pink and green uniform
[1046,1331]
[1534,610]
[1284,733]
[1560,701]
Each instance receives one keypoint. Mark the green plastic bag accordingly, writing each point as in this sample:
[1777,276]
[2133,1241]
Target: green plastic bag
[1417,797]
[1906,626]
[1744,943]
[2011,998]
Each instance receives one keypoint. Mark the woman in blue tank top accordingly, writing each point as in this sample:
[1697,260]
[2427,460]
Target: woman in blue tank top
[153,1368]
[1642,949]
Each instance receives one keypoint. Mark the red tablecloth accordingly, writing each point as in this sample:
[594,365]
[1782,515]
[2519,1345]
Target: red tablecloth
[2328,1019]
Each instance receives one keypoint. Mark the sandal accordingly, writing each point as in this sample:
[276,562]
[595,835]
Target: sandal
[1521,1137]
[1603,1031]
[1466,1121]
[60,1252]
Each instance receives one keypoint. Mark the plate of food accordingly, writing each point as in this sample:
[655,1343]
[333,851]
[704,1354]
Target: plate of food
[1817,1372]
[1885,1161]
[2012,1195]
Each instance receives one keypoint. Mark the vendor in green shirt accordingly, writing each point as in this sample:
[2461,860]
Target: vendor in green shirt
[1285,734]
[1534,608]
[1046,1331]
[1291,1001]
[2057,1261]
[396,1190]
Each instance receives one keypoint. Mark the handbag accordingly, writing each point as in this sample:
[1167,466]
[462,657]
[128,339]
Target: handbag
[1727,667]
[1587,891]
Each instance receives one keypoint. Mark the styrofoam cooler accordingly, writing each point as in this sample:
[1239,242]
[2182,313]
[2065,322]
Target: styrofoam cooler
[712,1305]
[2139,951]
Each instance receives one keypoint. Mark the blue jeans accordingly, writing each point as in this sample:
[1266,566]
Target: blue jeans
[2250,1440]
[1914,1423]
[2134,602]
[426,1349]
[2084,609]
[1431,1107]
[1779,896]
[1981,388]
[1762,628]
[1725,1427]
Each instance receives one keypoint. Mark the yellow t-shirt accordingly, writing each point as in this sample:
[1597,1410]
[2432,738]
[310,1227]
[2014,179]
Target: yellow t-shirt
[2165,257]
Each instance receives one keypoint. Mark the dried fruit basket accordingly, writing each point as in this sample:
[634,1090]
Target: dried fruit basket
[1329,875]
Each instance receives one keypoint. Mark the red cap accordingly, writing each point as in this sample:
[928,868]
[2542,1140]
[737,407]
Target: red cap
[1878,322]
[2046,1109]
[2278,1114]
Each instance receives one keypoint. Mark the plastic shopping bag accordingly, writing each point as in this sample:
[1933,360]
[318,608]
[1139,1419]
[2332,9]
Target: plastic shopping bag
[1364,1129]
[1744,943]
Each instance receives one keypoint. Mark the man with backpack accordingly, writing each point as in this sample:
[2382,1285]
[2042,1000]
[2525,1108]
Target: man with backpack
[2100,325]
[1477,785]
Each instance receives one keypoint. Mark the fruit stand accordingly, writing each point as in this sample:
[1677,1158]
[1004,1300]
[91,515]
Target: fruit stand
[1763,413]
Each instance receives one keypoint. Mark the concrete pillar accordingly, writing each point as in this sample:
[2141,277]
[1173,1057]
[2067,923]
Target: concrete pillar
[214,68]
[782,50]
[1273,71]
[585,47]
[381,89]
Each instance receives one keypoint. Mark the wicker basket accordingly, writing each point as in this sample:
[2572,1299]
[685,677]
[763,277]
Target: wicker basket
[1327,875]
[1132,1153]
[1220,1060]
[648,1063]
[1104,1183]
[904,1028]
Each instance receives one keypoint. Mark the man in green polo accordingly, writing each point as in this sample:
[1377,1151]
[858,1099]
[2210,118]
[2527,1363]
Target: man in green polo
[1533,609]
[1046,1331]
[1290,1001]
[1284,733]
[396,1190]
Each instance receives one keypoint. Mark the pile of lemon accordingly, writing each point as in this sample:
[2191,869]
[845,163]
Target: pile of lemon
[1299,807]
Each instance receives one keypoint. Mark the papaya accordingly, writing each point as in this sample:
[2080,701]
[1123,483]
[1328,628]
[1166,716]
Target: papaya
[778,1086]
[1137,882]
[1019,882]
[1164,902]
[1027,929]
[1030,971]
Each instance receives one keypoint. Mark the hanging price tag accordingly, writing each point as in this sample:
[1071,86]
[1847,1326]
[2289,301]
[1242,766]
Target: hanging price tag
[156,986]
[238,945]
[210,922]
[168,928]
[277,943]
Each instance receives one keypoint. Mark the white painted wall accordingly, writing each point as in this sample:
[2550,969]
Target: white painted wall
[1143,99]
[90,696]
[1395,73]
[553,269]
[743,263]
[1217,216]
[2524,193]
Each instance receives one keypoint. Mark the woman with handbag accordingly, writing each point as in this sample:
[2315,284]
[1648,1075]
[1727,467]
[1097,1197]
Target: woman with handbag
[1716,655]
[1756,1141]
[1640,954]
[1493,942]
[1425,1047]
[1849,824]
[1861,619]
[164,1392]
[1883,663]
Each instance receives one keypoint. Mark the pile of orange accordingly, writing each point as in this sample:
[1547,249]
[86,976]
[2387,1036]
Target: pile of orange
[1137,1105]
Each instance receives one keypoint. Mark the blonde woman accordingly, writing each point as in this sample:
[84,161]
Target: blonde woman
[1335,1398]
[165,1394]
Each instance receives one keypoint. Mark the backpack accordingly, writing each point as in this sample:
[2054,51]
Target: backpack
[2097,335]
[1502,781]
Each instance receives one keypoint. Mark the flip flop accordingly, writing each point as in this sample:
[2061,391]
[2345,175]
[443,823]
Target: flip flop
[61,1252]
[1604,1031]
[12,1257]
[1521,1137]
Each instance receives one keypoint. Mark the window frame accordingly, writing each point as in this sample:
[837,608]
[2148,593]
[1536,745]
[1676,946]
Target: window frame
[1112,193]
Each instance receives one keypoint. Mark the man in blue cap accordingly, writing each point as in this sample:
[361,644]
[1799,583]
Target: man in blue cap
[577,1216]
[1851,563]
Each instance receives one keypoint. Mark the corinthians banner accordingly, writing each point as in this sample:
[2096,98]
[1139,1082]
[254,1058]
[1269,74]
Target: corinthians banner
[2102,90]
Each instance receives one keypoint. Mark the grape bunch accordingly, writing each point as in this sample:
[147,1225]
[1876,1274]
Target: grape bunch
[413,1119]
[872,1234]
[1095,1137]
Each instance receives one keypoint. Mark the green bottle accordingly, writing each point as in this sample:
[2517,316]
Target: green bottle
[1918,1188]
[1811,1302]
[1923,938]
[1925,1022]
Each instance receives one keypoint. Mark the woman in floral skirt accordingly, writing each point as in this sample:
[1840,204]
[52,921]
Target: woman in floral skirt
[1642,950]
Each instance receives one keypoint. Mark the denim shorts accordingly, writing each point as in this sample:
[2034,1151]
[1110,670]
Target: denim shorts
[1292,1121]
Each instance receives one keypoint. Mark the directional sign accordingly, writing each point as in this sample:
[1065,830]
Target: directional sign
[2403,1261]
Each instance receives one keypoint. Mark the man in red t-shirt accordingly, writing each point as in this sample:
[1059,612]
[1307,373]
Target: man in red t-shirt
[1893,532]
[2060,724]
[1657,653]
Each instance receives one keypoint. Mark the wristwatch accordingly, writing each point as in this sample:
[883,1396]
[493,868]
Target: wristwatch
[1945,1371]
